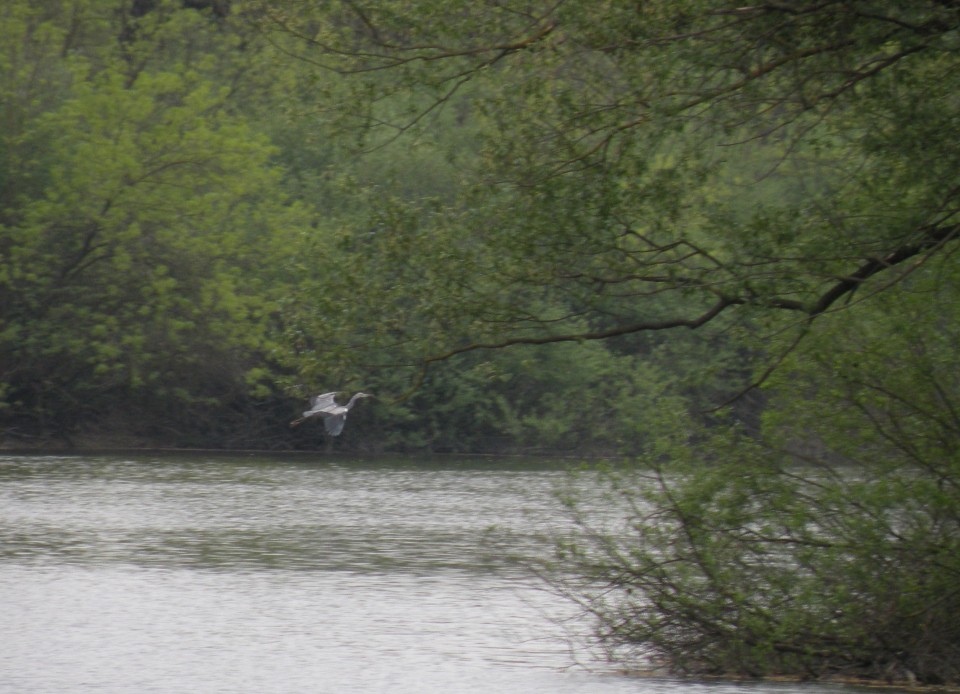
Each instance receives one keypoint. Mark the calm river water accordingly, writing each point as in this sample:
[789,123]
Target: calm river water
[289,574]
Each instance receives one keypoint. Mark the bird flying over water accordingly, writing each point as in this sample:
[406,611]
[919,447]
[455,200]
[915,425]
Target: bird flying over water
[334,415]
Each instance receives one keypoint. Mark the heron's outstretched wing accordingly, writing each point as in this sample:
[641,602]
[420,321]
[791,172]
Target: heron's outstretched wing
[334,423]
[324,406]
[322,402]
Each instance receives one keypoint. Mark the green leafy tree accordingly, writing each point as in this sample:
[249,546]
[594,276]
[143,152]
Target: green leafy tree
[825,545]
[767,158]
[141,225]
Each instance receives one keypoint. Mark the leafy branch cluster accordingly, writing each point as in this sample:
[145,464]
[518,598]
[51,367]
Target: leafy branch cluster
[735,156]
[826,546]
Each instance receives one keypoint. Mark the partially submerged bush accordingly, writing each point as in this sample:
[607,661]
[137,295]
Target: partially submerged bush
[829,545]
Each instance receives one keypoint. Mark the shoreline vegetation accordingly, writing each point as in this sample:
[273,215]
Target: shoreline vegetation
[866,682]
[899,683]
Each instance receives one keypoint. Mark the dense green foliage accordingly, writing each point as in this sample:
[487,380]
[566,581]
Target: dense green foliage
[646,169]
[830,544]
[719,236]
[193,240]
[140,221]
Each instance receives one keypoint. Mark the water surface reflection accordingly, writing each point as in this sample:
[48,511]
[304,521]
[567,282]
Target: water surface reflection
[272,574]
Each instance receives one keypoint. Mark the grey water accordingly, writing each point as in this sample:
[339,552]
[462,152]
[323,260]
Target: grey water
[256,573]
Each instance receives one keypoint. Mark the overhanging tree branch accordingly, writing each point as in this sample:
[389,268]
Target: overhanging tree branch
[640,326]
[934,239]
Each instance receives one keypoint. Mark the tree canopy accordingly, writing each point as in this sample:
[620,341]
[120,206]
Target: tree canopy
[349,192]
[647,167]
[137,216]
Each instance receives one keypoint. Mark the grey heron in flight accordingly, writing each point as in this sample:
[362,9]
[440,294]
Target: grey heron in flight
[333,415]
